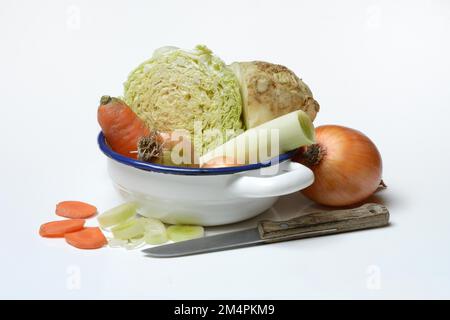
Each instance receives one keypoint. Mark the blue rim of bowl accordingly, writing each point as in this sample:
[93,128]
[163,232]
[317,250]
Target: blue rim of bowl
[104,147]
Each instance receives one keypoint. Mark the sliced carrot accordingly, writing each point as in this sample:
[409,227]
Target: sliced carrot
[57,229]
[75,210]
[88,238]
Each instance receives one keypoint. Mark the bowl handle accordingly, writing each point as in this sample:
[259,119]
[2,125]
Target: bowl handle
[291,177]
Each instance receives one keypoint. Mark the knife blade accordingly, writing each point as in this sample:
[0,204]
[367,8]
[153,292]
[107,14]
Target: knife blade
[319,223]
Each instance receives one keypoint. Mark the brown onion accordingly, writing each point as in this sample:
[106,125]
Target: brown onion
[346,164]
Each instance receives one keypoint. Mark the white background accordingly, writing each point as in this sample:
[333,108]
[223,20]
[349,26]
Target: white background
[382,67]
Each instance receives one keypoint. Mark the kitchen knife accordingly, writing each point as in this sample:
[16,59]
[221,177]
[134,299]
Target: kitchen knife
[320,223]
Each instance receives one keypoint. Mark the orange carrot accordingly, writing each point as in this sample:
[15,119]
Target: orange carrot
[88,238]
[57,229]
[121,126]
[75,210]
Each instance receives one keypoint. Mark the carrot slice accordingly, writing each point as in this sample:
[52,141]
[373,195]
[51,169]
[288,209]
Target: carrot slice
[57,229]
[75,210]
[88,238]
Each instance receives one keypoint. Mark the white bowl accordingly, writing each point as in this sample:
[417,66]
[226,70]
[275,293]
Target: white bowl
[204,196]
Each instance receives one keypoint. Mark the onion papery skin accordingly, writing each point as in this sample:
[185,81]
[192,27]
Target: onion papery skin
[347,166]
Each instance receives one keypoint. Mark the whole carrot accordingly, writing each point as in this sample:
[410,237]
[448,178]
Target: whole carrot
[121,126]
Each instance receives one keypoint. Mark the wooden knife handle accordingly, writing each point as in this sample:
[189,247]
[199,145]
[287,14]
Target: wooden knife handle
[370,215]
